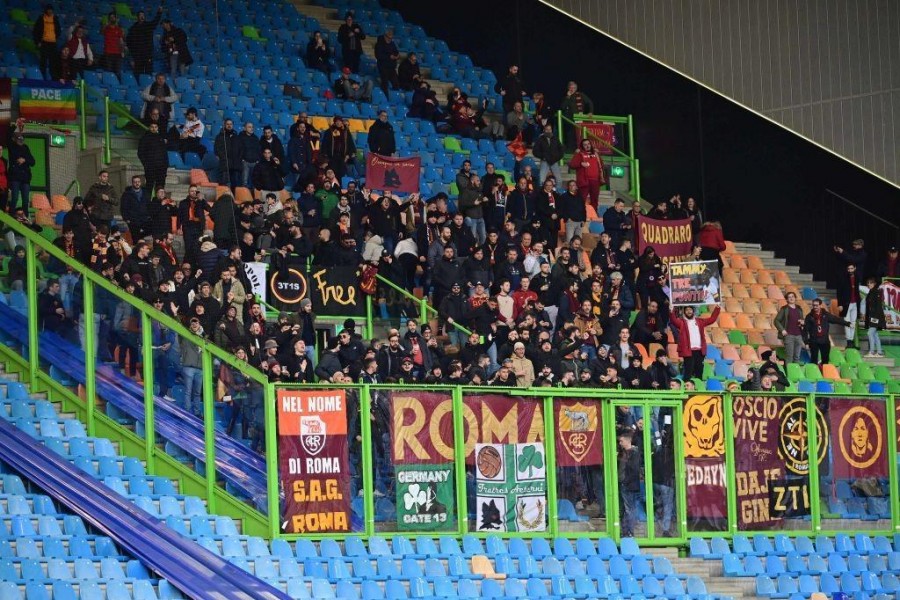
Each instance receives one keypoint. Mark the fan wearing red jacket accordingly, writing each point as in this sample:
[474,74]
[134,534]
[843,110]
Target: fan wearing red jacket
[711,242]
[589,175]
[692,340]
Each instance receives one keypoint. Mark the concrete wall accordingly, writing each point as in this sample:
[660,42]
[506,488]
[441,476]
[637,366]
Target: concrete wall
[827,69]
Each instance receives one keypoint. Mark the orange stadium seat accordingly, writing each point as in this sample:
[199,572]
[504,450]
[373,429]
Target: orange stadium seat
[731,276]
[221,190]
[748,277]
[758,292]
[749,354]
[771,338]
[831,372]
[726,290]
[60,202]
[755,337]
[737,262]
[743,322]
[242,194]
[672,349]
[730,352]
[718,336]
[729,247]
[774,293]
[762,322]
[782,278]
[199,177]
[768,307]
[755,263]
[751,307]
[40,202]
[733,305]
[654,347]
[726,321]
[740,291]
[764,277]
[740,368]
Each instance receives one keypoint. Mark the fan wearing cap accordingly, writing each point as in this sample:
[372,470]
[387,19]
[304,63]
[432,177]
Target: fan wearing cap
[770,367]
[352,89]
[452,311]
[522,366]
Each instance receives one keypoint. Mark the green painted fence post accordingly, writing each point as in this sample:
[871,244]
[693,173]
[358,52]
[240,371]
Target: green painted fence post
[730,492]
[82,140]
[107,137]
[550,465]
[365,409]
[31,289]
[891,422]
[149,425]
[459,456]
[90,356]
[209,428]
[270,397]
[813,462]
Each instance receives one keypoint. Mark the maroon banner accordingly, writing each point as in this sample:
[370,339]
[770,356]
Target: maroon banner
[313,460]
[672,240]
[704,451]
[757,462]
[604,131]
[422,424]
[5,107]
[859,438]
[578,433]
[392,174]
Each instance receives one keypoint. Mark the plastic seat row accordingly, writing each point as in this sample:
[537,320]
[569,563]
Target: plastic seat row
[75,547]
[112,590]
[782,545]
[84,569]
[785,586]
[814,564]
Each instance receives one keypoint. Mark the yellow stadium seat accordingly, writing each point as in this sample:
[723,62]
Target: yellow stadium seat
[762,322]
[773,292]
[731,276]
[740,291]
[737,262]
[755,263]
[782,278]
[743,322]
[321,123]
[758,292]
[357,126]
[750,307]
[748,354]
[60,202]
[764,277]
[747,277]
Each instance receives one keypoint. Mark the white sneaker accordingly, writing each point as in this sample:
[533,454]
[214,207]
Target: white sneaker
[871,355]
[168,398]
[879,354]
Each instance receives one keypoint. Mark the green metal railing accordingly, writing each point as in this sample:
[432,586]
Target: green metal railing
[634,164]
[424,308]
[157,460]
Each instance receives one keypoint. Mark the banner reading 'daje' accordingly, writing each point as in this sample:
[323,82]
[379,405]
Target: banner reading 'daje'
[672,240]
[313,460]
[392,174]
[694,283]
[41,100]
[422,424]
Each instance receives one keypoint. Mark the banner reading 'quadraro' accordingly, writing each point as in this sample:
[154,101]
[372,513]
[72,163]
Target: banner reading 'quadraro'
[313,460]
[672,240]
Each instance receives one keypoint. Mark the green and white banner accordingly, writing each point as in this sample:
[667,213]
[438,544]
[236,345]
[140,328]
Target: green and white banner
[425,497]
[511,485]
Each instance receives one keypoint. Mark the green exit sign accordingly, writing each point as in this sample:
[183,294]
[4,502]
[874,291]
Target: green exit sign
[57,140]
[617,171]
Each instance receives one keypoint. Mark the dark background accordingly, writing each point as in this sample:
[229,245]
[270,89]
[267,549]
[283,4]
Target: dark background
[763,182]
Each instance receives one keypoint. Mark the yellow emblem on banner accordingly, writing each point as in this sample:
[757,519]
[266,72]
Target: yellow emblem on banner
[704,435]
[794,442]
[860,437]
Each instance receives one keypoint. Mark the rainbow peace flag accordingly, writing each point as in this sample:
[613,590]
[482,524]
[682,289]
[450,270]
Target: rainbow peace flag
[47,100]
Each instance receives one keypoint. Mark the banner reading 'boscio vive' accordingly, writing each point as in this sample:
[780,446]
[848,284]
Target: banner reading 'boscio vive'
[393,174]
[694,283]
[672,240]
[313,460]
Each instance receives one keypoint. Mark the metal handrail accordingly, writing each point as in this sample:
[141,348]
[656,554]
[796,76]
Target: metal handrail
[424,307]
[74,183]
[585,132]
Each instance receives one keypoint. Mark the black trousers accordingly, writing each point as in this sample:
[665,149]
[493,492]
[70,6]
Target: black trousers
[388,74]
[815,348]
[48,58]
[692,367]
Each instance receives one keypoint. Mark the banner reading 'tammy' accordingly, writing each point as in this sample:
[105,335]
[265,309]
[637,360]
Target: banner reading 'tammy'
[694,283]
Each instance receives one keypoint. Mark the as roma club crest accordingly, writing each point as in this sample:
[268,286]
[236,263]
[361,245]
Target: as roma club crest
[861,437]
[312,434]
[794,438]
[577,429]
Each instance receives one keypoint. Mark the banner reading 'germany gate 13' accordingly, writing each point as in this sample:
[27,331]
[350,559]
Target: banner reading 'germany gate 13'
[422,424]
[672,240]
[313,460]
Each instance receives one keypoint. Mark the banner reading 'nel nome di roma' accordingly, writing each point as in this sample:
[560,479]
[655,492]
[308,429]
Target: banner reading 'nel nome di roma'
[393,174]
[313,460]
[41,100]
[672,240]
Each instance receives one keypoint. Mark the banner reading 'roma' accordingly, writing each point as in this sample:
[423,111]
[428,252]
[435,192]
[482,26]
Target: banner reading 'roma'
[672,240]
[422,424]
[392,174]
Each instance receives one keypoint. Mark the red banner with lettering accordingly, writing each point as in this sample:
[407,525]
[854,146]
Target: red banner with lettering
[604,131]
[392,174]
[578,432]
[313,460]
[704,451]
[858,437]
[672,240]
[422,424]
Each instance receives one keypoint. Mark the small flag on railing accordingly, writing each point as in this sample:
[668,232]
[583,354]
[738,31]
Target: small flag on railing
[47,100]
